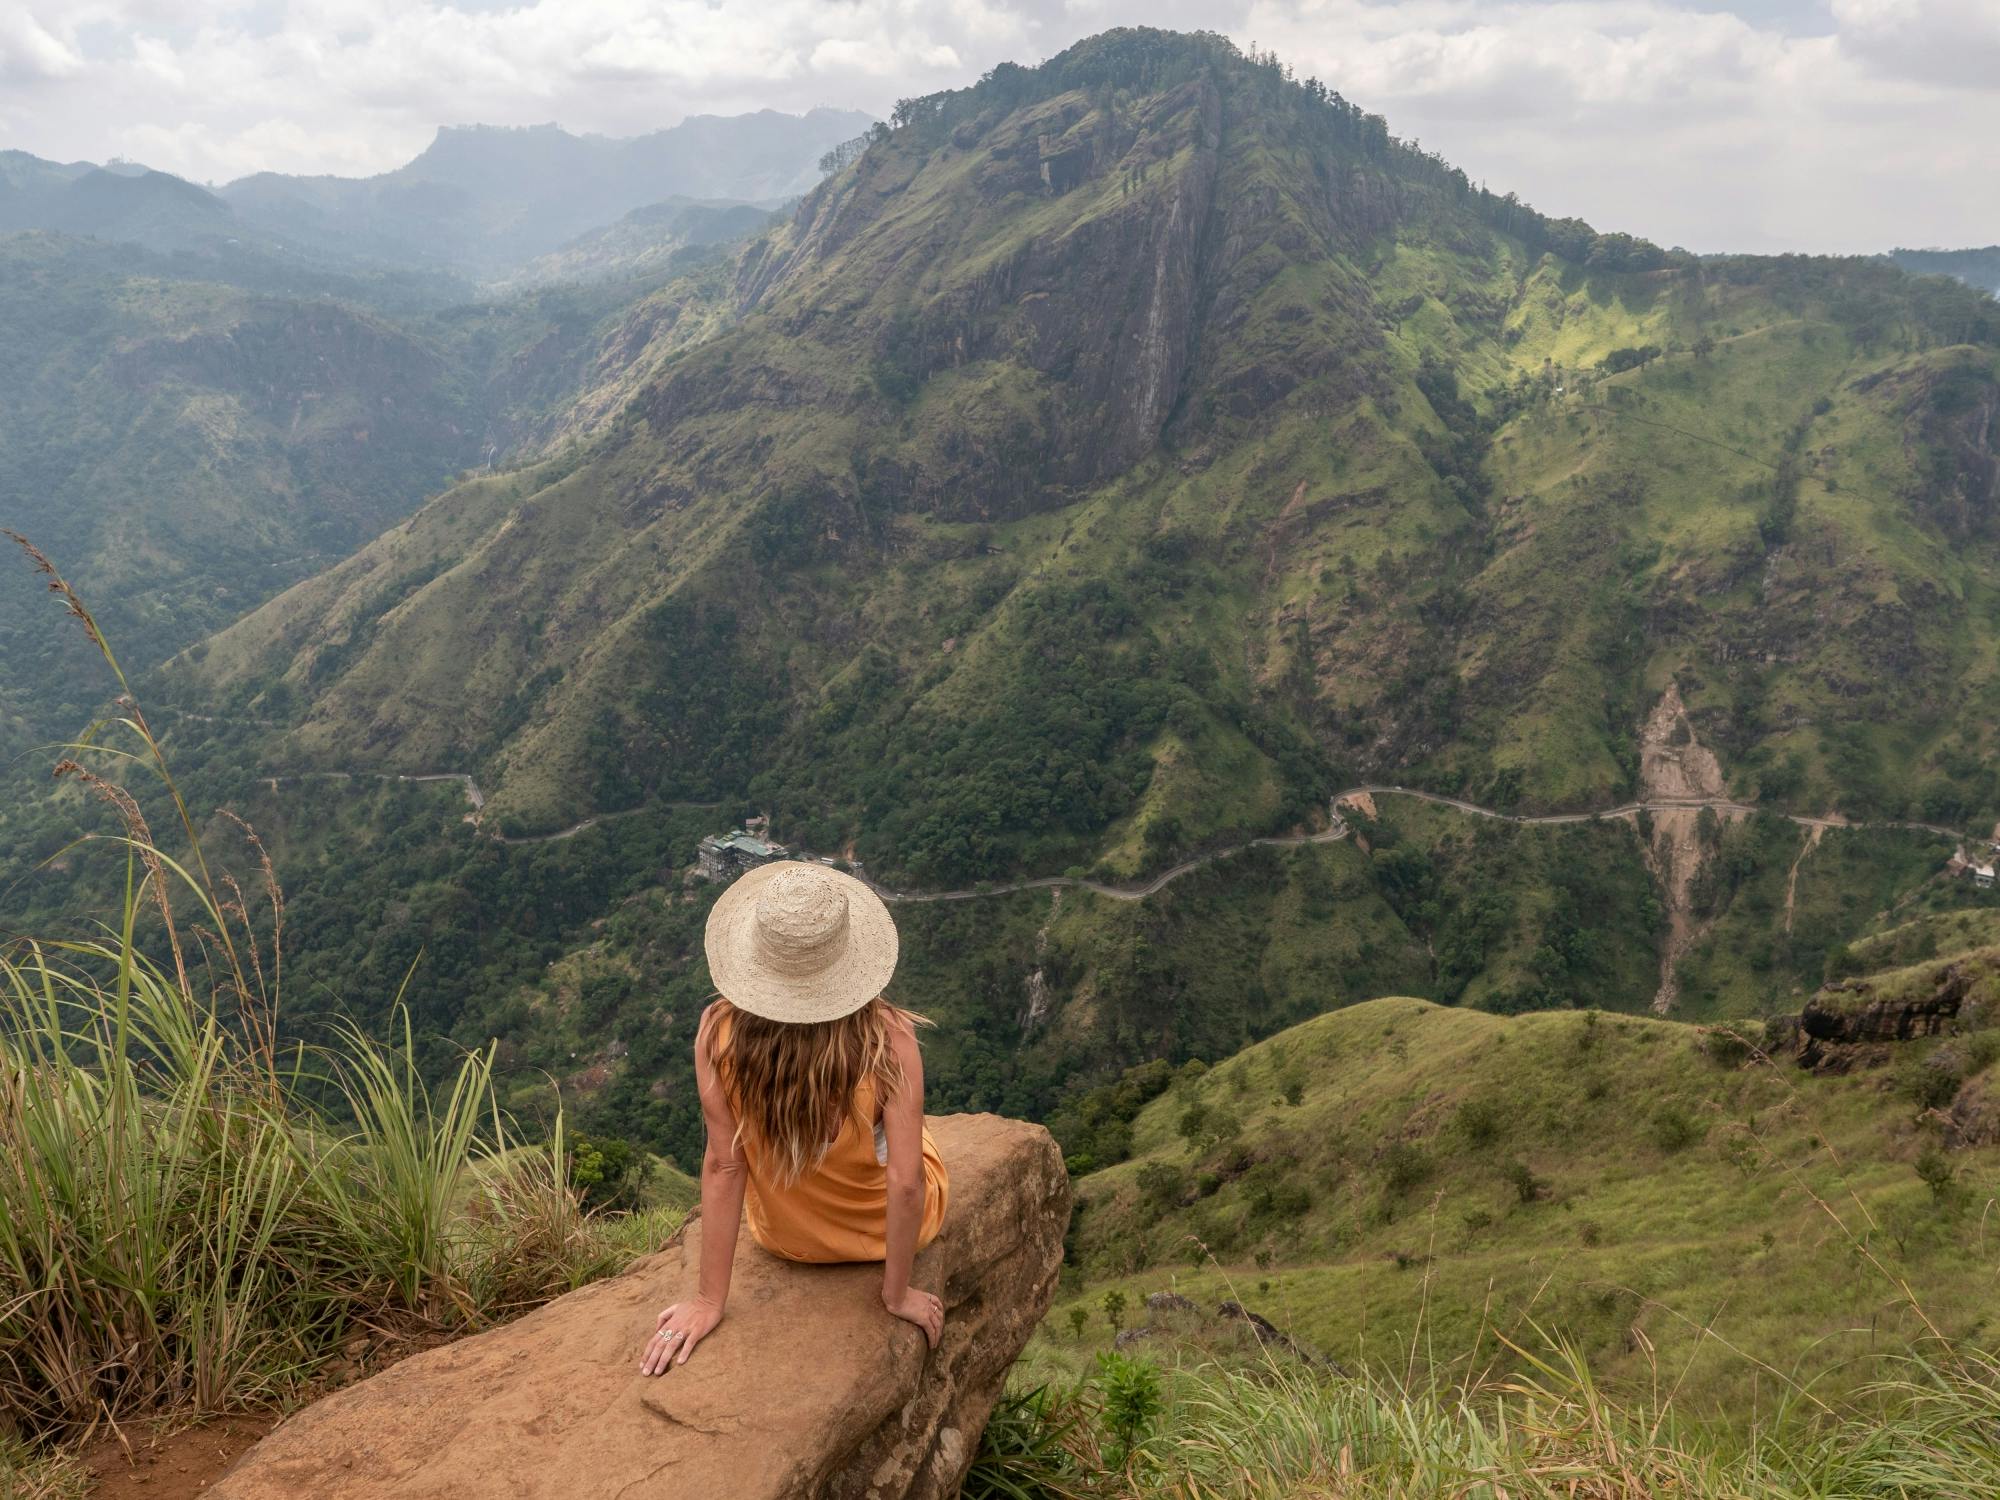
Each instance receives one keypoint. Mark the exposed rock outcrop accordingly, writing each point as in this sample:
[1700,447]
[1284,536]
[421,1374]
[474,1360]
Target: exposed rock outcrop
[1271,1336]
[1851,1022]
[1178,1316]
[808,1389]
[1974,1116]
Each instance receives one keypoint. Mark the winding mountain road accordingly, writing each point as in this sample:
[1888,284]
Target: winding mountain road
[1115,892]
[1340,831]
[477,798]
[472,792]
[1659,804]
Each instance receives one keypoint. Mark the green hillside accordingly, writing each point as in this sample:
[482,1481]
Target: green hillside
[1114,462]
[187,436]
[1404,1184]
[976,547]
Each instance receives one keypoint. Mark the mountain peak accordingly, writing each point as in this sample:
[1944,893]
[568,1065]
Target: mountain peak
[488,199]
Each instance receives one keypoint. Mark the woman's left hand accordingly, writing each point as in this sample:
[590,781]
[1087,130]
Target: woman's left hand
[682,1326]
[922,1309]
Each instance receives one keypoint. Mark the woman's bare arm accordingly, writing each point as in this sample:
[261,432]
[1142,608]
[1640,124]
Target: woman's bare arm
[686,1324]
[903,1124]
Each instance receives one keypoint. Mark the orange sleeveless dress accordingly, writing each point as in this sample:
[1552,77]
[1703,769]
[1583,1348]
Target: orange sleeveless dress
[840,1210]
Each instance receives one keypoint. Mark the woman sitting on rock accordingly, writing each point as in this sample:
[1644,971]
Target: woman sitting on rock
[812,1090]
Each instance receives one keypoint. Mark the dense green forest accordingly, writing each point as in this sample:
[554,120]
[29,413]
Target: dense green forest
[924,526]
[186,436]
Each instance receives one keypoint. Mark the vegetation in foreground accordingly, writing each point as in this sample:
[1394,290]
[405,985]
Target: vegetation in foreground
[194,1218]
[1272,1433]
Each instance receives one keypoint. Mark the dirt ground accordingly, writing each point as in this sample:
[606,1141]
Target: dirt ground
[170,1464]
[1675,766]
[1361,802]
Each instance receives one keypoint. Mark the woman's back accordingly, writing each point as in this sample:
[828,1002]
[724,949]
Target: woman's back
[838,1209]
[812,1097]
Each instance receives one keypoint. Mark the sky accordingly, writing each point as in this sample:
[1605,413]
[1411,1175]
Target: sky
[1759,125]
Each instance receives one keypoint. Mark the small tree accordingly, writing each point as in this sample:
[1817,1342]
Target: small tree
[608,1173]
[1114,1309]
[1404,1165]
[1224,1126]
[1674,1129]
[1939,1175]
[1132,1399]
[1193,1119]
[1078,1316]
[1527,1186]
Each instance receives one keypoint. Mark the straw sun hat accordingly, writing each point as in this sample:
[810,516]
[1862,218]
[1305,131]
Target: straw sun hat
[800,943]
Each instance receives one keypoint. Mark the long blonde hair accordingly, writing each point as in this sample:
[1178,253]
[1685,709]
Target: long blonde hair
[791,1084]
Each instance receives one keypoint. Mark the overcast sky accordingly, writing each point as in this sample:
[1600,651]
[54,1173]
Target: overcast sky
[1717,124]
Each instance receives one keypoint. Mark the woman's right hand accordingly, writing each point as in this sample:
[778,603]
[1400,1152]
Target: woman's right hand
[922,1309]
[682,1326]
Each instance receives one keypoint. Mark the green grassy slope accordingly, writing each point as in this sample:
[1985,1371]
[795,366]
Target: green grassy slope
[187,437]
[1115,461]
[1088,479]
[1399,1174]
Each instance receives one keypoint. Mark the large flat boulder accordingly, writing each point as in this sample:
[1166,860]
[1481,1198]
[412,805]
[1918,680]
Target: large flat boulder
[807,1389]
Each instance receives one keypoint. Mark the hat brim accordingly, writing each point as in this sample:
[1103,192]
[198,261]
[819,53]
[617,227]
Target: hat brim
[856,975]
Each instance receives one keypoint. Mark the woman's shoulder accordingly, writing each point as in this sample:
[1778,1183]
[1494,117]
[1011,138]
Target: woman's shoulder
[905,1024]
[712,1027]
[903,1044]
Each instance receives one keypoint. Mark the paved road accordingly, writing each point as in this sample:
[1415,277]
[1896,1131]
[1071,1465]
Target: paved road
[1159,882]
[1115,892]
[477,797]
[1628,809]
[472,792]
[1459,804]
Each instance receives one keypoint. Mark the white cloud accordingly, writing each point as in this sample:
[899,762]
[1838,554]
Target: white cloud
[1955,42]
[1698,126]
[1708,129]
[29,50]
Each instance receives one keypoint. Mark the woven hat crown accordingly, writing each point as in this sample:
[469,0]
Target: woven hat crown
[790,941]
[801,922]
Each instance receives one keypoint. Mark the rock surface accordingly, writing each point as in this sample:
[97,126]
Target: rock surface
[1851,1022]
[807,1389]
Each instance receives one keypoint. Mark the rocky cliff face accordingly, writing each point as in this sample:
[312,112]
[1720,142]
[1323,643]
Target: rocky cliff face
[1851,1022]
[808,1389]
[1065,279]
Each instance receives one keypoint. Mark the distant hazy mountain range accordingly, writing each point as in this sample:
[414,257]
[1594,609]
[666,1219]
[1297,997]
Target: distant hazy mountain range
[481,202]
[210,394]
[661,237]
[119,202]
[486,199]
[1980,268]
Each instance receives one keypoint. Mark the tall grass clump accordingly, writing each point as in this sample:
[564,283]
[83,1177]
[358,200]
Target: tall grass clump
[1280,1426]
[1270,1432]
[193,1216]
